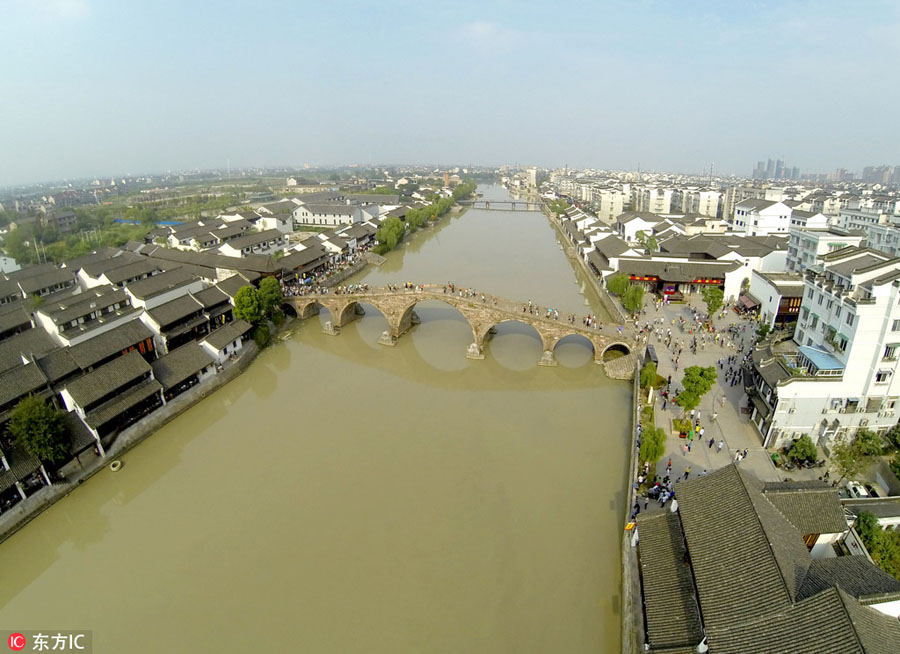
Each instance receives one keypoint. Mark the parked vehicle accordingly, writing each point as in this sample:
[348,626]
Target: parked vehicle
[856,489]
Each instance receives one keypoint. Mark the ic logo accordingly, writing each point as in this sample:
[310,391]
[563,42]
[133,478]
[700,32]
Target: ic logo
[16,642]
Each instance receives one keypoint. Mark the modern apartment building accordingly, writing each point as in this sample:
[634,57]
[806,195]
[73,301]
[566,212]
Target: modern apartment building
[838,373]
[807,244]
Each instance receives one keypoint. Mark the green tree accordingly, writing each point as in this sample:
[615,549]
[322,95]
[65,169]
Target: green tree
[261,336]
[270,296]
[696,383]
[633,298]
[713,296]
[648,241]
[868,442]
[40,429]
[847,459]
[653,444]
[762,332]
[882,544]
[617,284]
[803,449]
[892,438]
[247,305]
[390,232]
[648,375]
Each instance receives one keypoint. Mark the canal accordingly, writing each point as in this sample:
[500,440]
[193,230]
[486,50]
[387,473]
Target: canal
[342,496]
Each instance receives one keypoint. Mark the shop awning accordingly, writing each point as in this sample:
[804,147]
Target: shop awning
[748,301]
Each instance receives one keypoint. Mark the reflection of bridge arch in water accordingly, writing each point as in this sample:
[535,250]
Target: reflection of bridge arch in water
[398,308]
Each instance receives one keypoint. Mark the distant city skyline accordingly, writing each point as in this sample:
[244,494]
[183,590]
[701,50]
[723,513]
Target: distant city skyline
[108,89]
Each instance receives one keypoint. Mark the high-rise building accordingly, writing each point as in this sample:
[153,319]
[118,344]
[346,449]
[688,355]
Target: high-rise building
[770,169]
[779,169]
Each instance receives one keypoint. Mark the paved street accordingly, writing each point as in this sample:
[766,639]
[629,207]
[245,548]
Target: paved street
[731,426]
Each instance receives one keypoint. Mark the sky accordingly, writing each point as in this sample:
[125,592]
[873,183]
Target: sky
[102,87]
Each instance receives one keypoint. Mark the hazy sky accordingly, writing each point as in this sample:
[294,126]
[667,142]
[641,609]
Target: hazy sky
[96,87]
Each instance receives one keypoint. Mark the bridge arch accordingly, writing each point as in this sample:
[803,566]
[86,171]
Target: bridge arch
[615,350]
[483,332]
[314,308]
[575,337]
[288,310]
[407,316]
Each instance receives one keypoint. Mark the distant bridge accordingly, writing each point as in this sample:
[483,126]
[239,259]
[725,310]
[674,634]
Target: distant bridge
[398,308]
[503,205]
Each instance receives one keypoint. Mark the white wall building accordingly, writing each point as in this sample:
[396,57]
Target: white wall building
[761,217]
[839,372]
[327,214]
[807,244]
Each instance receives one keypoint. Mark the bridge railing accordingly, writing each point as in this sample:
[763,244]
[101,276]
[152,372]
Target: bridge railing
[517,310]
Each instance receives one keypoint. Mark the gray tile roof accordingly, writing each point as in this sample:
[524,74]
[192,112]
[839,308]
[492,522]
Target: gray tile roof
[812,510]
[129,271]
[58,365]
[854,574]
[31,341]
[147,288]
[227,333]
[107,378]
[181,363]
[21,465]
[175,310]
[671,610]
[46,280]
[255,238]
[84,303]
[19,382]
[676,271]
[210,297]
[9,288]
[759,589]
[100,254]
[880,507]
[89,352]
[231,285]
[117,405]
[17,317]
[735,583]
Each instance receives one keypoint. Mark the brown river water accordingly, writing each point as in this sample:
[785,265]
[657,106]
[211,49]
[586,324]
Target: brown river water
[343,496]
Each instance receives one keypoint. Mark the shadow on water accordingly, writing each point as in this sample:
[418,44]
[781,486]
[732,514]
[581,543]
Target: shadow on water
[439,358]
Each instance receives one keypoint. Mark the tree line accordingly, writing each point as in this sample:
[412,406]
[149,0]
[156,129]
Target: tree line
[392,230]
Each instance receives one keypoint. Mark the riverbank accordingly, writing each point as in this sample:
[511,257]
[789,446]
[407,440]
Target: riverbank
[78,471]
[613,310]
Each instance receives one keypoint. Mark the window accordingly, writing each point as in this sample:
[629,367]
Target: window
[882,376]
[841,343]
[837,312]
[849,319]
[821,297]
[809,293]
[805,313]
[808,342]
[815,321]
[799,336]
[828,306]
[895,326]
[890,351]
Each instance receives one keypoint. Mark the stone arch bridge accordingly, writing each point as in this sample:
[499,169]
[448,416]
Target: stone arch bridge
[398,308]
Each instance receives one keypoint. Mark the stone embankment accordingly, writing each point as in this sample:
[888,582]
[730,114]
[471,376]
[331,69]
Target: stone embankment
[612,308]
[77,472]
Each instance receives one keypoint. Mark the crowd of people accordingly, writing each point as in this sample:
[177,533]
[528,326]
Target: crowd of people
[696,333]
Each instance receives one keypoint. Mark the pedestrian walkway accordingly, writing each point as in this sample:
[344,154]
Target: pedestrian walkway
[720,409]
